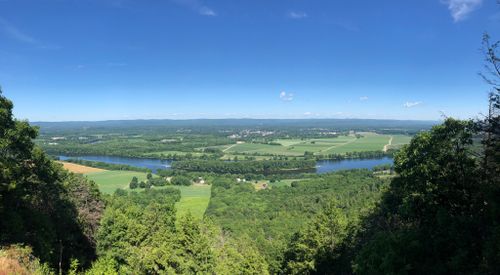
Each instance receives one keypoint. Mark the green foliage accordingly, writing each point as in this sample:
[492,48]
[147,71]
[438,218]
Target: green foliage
[140,235]
[246,167]
[269,217]
[320,239]
[103,266]
[238,256]
[131,219]
[40,204]
[434,209]
[181,180]
[134,183]
[159,181]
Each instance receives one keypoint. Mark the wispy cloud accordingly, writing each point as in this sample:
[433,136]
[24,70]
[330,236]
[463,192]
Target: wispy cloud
[297,15]
[410,104]
[15,33]
[286,96]
[196,6]
[460,9]
[10,30]
[363,98]
[207,11]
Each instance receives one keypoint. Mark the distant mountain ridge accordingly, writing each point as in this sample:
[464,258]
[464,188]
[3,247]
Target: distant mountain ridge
[307,123]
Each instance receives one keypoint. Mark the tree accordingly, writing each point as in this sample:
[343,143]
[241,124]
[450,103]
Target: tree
[430,220]
[321,239]
[489,127]
[40,204]
[103,266]
[134,183]
[181,180]
[149,176]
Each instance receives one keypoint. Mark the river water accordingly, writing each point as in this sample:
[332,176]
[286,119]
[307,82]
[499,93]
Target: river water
[322,166]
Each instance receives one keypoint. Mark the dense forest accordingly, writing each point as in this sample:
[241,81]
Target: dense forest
[270,216]
[439,213]
[246,167]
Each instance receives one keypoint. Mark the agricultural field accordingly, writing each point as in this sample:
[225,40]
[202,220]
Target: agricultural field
[399,140]
[194,198]
[297,147]
[109,181]
[79,169]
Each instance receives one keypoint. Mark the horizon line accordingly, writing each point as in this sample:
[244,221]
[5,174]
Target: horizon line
[248,118]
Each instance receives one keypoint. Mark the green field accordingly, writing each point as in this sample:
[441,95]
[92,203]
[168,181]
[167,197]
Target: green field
[297,147]
[194,198]
[109,181]
[399,140]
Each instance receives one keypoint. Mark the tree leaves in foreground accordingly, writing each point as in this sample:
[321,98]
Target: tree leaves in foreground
[140,235]
[40,204]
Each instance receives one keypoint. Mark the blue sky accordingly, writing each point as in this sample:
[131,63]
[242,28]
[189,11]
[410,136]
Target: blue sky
[128,59]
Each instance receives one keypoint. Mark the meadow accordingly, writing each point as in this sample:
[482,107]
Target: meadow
[109,181]
[194,198]
[399,140]
[318,146]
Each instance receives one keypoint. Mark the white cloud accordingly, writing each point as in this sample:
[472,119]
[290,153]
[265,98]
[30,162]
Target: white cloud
[286,96]
[15,33]
[207,11]
[460,9]
[363,98]
[308,113]
[196,6]
[410,104]
[297,15]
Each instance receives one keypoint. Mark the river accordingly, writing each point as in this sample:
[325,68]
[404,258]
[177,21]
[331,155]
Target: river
[322,166]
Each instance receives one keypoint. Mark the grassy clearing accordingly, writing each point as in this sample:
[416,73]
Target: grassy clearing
[194,198]
[366,143]
[287,182]
[399,140]
[257,148]
[109,181]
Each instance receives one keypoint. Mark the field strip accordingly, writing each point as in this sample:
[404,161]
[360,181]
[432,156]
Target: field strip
[79,169]
[229,147]
[386,147]
[338,145]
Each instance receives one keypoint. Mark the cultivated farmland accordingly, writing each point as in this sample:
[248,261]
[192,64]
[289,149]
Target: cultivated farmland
[319,146]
